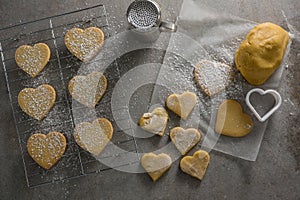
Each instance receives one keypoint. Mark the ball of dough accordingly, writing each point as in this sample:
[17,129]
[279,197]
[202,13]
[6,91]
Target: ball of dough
[261,53]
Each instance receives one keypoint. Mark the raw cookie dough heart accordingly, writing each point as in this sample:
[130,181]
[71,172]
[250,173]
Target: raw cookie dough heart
[156,165]
[88,90]
[212,77]
[182,104]
[93,137]
[184,140]
[195,165]
[231,120]
[32,60]
[46,150]
[84,44]
[37,102]
[155,122]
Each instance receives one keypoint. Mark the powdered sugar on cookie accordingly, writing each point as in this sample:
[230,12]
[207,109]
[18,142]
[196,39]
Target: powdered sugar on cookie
[32,60]
[212,77]
[93,137]
[37,102]
[88,90]
[84,44]
[46,150]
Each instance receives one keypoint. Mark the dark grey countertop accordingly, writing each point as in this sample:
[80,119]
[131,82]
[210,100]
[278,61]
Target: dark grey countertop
[274,175]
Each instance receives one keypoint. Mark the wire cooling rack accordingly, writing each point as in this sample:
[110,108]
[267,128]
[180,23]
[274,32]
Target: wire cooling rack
[60,69]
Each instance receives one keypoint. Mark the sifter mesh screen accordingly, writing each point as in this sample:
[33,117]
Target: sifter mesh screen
[143,14]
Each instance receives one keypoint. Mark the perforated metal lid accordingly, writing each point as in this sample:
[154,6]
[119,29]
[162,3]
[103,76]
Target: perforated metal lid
[143,14]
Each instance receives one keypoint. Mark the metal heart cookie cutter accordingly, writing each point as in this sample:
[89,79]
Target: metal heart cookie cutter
[274,93]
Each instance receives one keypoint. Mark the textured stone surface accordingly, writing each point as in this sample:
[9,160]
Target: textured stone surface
[275,174]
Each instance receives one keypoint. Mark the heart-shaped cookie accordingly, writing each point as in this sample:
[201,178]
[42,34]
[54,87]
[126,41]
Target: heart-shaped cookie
[84,44]
[274,93]
[184,140]
[37,102]
[195,165]
[46,150]
[32,60]
[93,137]
[155,122]
[231,120]
[212,77]
[182,104]
[156,165]
[88,90]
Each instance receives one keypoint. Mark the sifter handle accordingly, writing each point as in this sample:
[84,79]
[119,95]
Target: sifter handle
[168,26]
